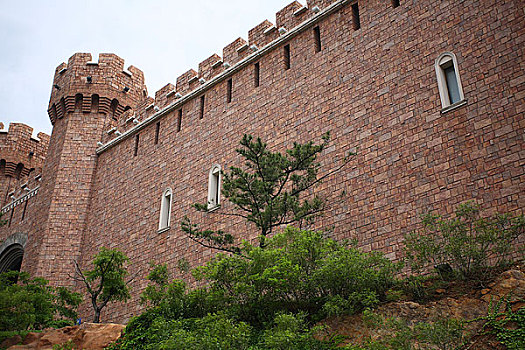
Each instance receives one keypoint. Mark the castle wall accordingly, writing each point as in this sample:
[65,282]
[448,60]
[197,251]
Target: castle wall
[375,90]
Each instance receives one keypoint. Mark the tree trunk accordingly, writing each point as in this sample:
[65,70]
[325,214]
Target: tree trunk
[96,318]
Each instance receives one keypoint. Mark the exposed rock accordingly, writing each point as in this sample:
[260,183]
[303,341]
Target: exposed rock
[10,342]
[92,336]
[466,307]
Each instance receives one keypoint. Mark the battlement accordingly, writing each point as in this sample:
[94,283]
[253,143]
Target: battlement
[290,21]
[19,135]
[102,86]
[21,159]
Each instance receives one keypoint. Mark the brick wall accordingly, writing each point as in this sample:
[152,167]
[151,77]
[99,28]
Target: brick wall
[374,89]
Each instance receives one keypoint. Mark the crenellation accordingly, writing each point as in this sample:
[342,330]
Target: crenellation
[289,17]
[161,96]
[136,73]
[44,138]
[183,81]
[321,4]
[230,54]
[209,67]
[106,78]
[78,59]
[22,156]
[259,37]
[111,60]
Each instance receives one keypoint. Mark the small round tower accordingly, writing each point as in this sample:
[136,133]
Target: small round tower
[102,87]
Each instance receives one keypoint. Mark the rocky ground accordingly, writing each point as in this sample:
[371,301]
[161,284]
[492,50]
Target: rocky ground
[90,336]
[459,303]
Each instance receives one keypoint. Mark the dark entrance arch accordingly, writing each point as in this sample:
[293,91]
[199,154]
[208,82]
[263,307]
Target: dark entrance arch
[11,258]
[12,252]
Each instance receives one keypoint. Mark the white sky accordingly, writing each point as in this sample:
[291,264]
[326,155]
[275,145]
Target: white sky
[162,38]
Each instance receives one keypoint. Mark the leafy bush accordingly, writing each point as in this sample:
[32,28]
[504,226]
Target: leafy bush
[266,299]
[32,304]
[469,244]
[297,271]
[291,332]
[208,333]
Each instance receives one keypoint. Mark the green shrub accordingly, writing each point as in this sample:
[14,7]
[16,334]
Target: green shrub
[297,271]
[32,304]
[291,332]
[267,299]
[153,331]
[212,332]
[469,244]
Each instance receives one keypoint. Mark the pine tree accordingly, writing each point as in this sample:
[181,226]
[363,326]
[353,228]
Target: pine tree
[271,190]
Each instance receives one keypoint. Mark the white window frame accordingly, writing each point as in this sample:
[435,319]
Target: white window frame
[165,210]
[442,61]
[214,187]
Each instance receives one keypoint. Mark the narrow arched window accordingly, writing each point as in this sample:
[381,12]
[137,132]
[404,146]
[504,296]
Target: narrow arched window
[214,187]
[79,100]
[18,171]
[165,210]
[449,83]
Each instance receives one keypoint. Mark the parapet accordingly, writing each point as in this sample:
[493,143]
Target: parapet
[260,36]
[290,20]
[103,86]
[20,153]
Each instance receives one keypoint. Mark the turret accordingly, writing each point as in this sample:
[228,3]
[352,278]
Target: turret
[21,159]
[102,87]
[87,98]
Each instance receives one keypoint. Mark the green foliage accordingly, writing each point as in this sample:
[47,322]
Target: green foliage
[69,345]
[507,325]
[215,331]
[268,300]
[150,331]
[472,245]
[106,281]
[268,191]
[291,332]
[443,333]
[32,304]
[297,271]
[155,292]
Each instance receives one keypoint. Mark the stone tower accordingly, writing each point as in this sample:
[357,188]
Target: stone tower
[87,98]
[21,160]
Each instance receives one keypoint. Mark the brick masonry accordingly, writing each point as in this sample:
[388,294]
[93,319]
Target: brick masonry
[374,89]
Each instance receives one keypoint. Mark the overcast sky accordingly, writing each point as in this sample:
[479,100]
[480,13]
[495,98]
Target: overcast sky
[162,38]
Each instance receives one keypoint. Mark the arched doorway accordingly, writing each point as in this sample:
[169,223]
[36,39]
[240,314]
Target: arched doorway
[12,252]
[11,258]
